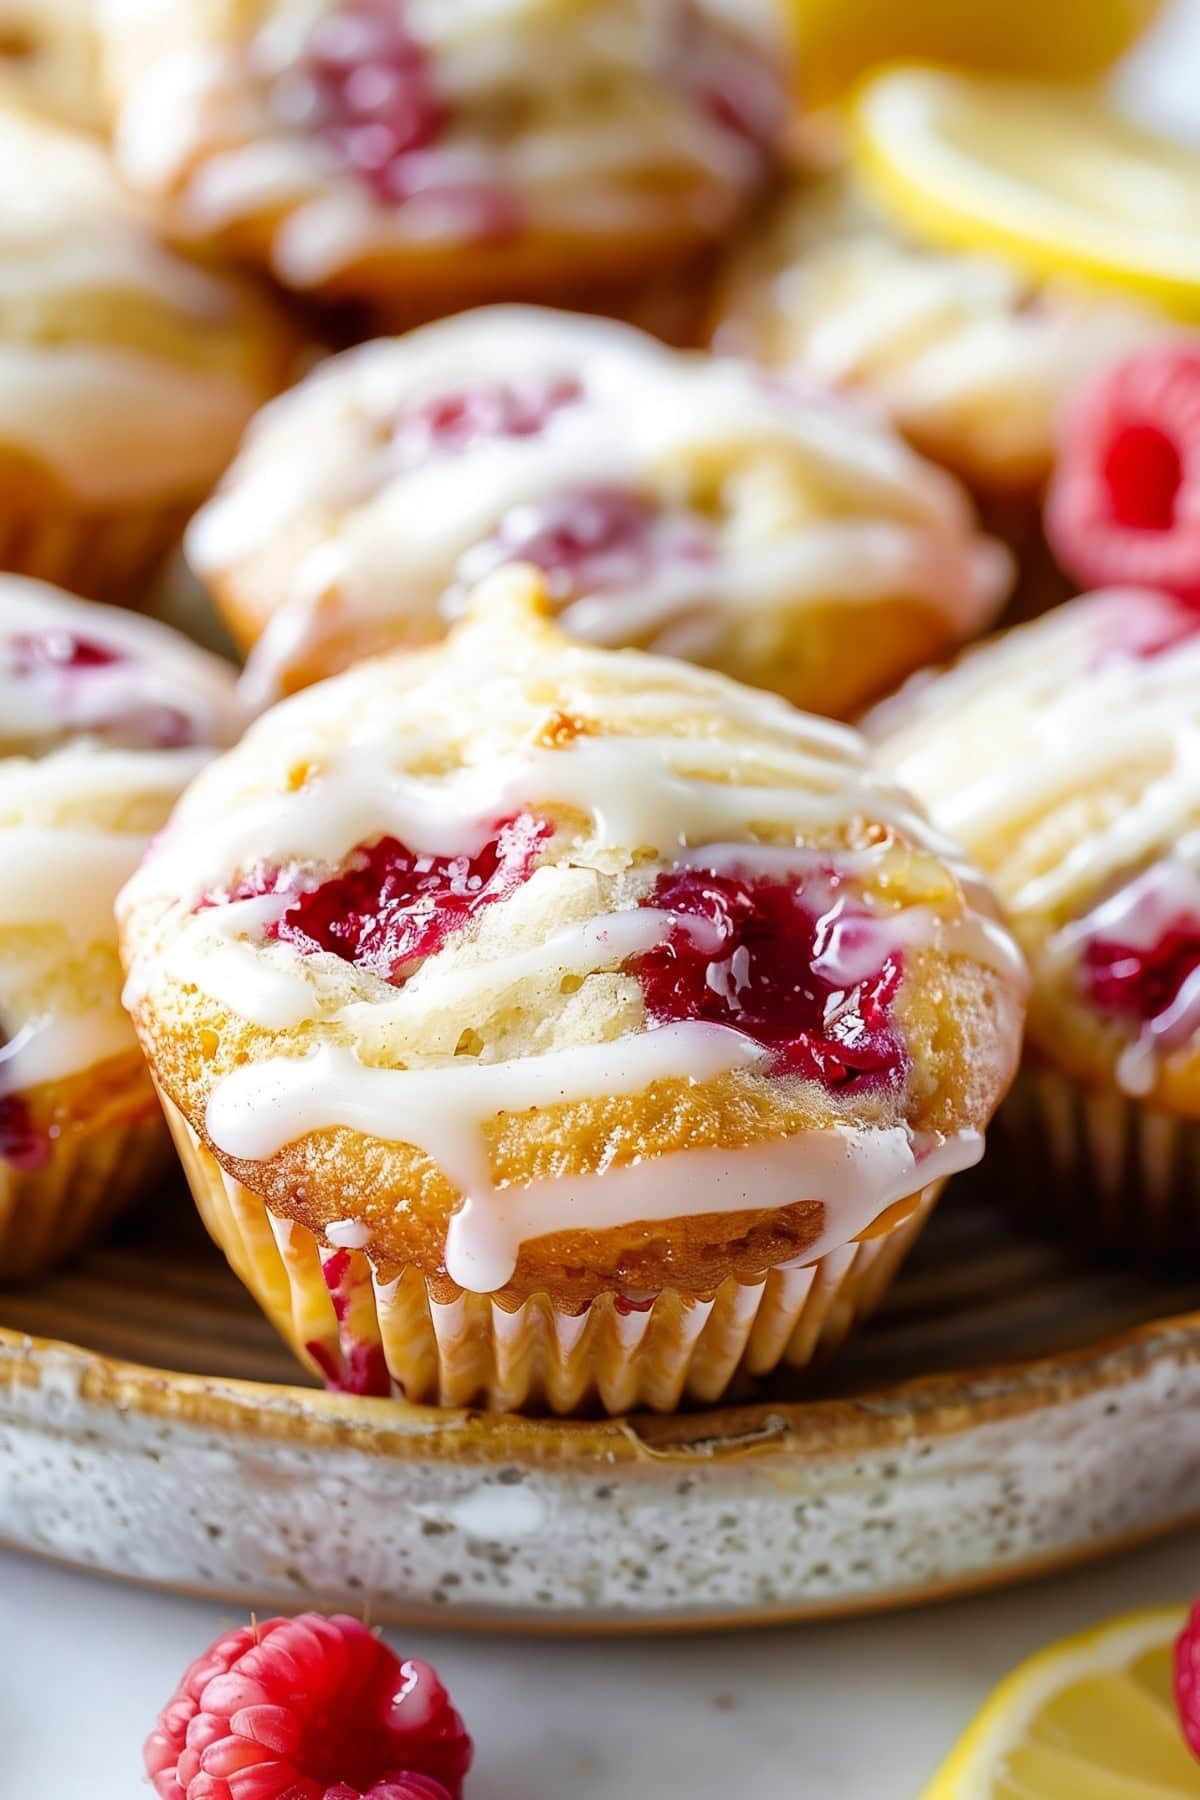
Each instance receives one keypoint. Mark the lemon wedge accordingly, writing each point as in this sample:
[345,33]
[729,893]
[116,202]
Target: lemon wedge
[1091,1718]
[1047,177]
[838,39]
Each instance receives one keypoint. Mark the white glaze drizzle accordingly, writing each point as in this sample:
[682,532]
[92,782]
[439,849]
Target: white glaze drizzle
[255,1111]
[614,143]
[1052,709]
[949,344]
[815,504]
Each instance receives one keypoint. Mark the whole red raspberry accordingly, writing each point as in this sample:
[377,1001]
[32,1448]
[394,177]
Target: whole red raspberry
[1124,505]
[1187,1679]
[307,1709]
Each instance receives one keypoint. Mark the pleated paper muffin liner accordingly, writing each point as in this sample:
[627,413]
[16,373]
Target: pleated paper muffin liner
[90,1177]
[1119,1175]
[102,555]
[367,1337]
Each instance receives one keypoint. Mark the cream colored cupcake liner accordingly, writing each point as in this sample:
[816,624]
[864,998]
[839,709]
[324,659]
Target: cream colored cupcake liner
[104,556]
[1101,1167]
[90,1177]
[367,1337]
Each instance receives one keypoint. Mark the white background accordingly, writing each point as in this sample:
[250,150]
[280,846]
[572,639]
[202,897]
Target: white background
[862,1710]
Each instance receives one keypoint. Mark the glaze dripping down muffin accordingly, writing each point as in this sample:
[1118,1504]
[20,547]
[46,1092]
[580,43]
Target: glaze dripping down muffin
[543,1024]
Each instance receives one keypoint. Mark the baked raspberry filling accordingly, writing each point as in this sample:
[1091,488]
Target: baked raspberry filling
[1124,504]
[733,82]
[22,1145]
[453,422]
[359,1367]
[371,93]
[1144,982]
[73,673]
[389,907]
[594,541]
[308,1709]
[772,964]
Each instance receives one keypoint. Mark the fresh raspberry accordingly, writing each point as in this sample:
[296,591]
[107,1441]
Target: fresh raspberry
[389,906]
[307,1709]
[1124,504]
[1187,1679]
[771,964]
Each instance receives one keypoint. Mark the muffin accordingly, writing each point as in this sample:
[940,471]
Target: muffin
[676,502]
[544,1026]
[48,59]
[1064,756]
[420,156]
[128,373]
[104,718]
[967,357]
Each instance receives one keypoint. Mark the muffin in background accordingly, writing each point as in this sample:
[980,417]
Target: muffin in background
[104,718]
[422,157]
[1065,756]
[675,501]
[49,60]
[545,1026]
[126,372]
[968,357]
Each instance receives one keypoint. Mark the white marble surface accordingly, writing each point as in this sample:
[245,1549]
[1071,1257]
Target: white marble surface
[860,1710]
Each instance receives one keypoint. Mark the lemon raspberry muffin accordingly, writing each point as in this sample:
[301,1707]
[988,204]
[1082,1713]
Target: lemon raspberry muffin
[104,717]
[424,156]
[970,359]
[126,373]
[542,1024]
[675,502]
[1066,757]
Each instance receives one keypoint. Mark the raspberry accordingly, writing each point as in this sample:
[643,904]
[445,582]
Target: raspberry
[1142,983]
[369,86]
[494,409]
[1187,1679]
[1124,504]
[307,1709]
[592,541]
[22,1145]
[389,907]
[772,965]
[58,649]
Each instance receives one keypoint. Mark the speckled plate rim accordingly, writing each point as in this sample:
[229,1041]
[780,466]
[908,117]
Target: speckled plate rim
[934,1405]
[748,1465]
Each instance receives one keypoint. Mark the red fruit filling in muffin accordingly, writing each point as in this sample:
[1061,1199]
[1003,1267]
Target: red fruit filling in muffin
[452,422]
[1124,504]
[593,541]
[727,77]
[308,1709]
[22,1145]
[389,907]
[359,1367]
[1145,982]
[784,971]
[72,672]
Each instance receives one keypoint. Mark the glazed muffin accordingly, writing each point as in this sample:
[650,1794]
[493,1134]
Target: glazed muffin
[543,1025]
[126,373]
[48,59]
[675,502]
[968,359]
[104,718]
[1064,755]
[423,156]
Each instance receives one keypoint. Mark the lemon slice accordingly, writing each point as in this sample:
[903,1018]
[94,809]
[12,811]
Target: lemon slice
[838,39]
[1048,177]
[1091,1718]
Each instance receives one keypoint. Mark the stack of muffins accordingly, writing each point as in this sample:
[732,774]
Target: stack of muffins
[555,1003]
